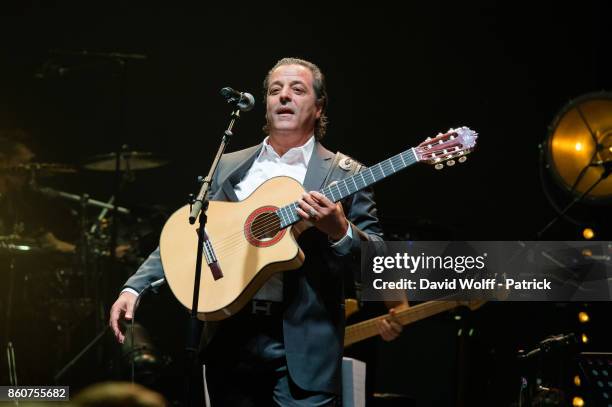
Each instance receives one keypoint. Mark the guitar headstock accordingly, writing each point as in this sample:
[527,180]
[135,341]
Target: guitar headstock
[453,145]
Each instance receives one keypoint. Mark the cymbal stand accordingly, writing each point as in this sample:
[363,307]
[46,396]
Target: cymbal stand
[10,349]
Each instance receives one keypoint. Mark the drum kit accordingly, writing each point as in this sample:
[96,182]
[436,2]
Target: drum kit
[55,285]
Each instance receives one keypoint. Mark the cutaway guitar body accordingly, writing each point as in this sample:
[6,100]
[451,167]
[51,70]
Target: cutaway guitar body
[248,242]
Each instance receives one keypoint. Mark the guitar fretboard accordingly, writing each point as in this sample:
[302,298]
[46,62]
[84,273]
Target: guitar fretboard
[367,329]
[348,186]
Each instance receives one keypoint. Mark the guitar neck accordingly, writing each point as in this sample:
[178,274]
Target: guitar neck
[348,186]
[367,329]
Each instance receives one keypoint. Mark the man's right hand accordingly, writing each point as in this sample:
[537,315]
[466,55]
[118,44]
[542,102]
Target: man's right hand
[123,308]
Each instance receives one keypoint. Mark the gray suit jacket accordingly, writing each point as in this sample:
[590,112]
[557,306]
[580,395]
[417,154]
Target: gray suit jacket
[313,320]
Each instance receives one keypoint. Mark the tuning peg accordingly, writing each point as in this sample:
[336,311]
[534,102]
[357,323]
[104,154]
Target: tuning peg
[462,159]
[450,163]
[439,166]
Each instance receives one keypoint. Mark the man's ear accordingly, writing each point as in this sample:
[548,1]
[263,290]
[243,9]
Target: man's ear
[320,103]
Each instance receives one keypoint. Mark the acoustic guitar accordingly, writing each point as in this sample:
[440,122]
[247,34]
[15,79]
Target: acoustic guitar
[250,240]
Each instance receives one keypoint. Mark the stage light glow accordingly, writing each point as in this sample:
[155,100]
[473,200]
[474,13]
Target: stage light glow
[583,317]
[578,147]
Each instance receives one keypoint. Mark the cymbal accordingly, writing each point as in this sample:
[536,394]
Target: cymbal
[20,246]
[16,245]
[130,161]
[41,169]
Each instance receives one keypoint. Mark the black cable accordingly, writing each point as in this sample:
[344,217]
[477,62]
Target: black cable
[153,287]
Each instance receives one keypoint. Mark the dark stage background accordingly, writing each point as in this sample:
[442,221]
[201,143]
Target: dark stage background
[397,73]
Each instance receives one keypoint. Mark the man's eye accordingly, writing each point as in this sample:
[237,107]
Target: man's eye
[298,90]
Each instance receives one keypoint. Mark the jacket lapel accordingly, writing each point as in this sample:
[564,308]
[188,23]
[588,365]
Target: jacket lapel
[238,168]
[318,167]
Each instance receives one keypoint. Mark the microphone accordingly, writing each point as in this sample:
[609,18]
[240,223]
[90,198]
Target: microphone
[243,100]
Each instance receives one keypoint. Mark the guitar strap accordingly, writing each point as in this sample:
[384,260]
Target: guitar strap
[342,167]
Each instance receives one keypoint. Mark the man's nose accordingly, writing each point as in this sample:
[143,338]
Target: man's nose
[285,94]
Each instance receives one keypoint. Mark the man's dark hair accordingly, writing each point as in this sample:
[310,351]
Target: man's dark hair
[320,90]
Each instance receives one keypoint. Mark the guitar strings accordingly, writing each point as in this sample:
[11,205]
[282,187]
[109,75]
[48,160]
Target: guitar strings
[237,239]
[383,165]
[266,228]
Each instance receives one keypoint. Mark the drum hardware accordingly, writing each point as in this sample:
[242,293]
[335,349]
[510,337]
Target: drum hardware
[83,199]
[10,350]
[122,164]
[129,161]
[141,359]
[69,293]
[12,364]
[15,245]
[66,310]
[40,169]
[94,245]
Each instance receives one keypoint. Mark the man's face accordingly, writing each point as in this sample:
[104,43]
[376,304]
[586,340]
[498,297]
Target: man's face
[22,155]
[291,101]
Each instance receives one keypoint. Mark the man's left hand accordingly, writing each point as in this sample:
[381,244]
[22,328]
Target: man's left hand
[325,215]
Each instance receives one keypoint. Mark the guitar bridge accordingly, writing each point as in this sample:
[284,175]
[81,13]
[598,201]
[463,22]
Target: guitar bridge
[211,258]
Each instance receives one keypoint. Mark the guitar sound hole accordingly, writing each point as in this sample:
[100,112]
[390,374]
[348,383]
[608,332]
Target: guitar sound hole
[265,226]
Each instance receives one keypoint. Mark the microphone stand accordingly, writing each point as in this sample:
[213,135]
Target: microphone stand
[529,388]
[199,206]
[153,286]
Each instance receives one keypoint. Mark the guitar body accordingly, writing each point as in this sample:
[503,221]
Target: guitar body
[246,259]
